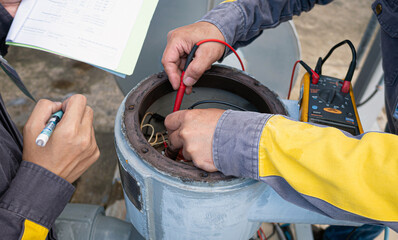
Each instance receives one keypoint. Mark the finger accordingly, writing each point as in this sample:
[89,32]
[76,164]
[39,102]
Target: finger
[94,141]
[65,104]
[188,90]
[187,156]
[174,75]
[171,61]
[173,124]
[87,158]
[43,111]
[196,69]
[87,120]
[92,151]
[95,153]
[173,121]
[74,109]
[182,63]
[205,56]
[175,141]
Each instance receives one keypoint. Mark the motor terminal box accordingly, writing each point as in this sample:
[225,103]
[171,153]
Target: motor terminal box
[324,103]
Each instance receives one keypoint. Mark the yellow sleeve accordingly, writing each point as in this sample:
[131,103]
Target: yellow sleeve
[332,169]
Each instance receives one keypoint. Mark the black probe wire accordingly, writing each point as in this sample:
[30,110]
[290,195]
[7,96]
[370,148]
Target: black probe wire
[370,97]
[377,88]
[353,63]
[155,116]
[217,102]
[354,54]
[273,232]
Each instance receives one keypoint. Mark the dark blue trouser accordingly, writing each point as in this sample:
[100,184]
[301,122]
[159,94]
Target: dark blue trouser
[364,232]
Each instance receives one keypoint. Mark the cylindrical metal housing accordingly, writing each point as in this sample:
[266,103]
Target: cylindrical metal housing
[167,199]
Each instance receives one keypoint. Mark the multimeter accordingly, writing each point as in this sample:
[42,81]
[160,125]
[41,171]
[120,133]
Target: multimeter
[330,101]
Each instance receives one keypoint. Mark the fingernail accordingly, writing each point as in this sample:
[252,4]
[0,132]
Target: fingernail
[58,104]
[189,81]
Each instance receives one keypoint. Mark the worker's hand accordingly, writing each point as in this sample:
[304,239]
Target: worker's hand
[193,130]
[72,147]
[179,44]
[11,6]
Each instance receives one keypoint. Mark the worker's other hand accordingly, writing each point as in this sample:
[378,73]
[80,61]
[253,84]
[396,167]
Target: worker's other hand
[193,131]
[72,147]
[179,44]
[11,6]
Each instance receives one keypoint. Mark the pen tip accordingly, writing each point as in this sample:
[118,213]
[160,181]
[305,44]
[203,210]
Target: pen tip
[40,143]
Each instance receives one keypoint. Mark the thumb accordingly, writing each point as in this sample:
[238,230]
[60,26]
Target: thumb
[205,56]
[39,117]
[195,70]
[43,111]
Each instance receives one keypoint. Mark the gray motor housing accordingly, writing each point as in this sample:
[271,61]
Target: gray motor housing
[88,222]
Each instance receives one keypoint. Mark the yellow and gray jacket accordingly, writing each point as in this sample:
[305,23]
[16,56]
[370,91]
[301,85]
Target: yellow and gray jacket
[319,168]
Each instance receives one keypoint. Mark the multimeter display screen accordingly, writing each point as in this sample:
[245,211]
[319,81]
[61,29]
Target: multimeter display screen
[351,129]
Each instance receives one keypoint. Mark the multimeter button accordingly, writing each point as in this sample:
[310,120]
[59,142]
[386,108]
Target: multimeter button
[315,107]
[349,114]
[333,110]
[314,97]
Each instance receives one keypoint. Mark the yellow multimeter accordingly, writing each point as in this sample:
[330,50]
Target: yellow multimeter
[330,101]
[325,104]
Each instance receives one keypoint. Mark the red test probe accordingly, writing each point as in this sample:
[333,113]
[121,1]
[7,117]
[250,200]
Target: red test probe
[181,89]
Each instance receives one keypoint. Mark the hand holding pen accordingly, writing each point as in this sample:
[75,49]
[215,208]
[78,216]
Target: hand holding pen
[72,147]
[48,130]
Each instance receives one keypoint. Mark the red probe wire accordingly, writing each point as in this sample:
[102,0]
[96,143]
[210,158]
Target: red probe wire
[314,75]
[265,237]
[259,234]
[226,44]
[181,89]
[291,79]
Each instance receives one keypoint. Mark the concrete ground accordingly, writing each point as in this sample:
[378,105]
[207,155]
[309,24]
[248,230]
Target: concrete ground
[53,77]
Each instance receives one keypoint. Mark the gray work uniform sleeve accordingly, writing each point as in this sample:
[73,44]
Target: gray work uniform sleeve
[5,23]
[27,191]
[300,162]
[35,194]
[242,161]
[237,135]
[242,21]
